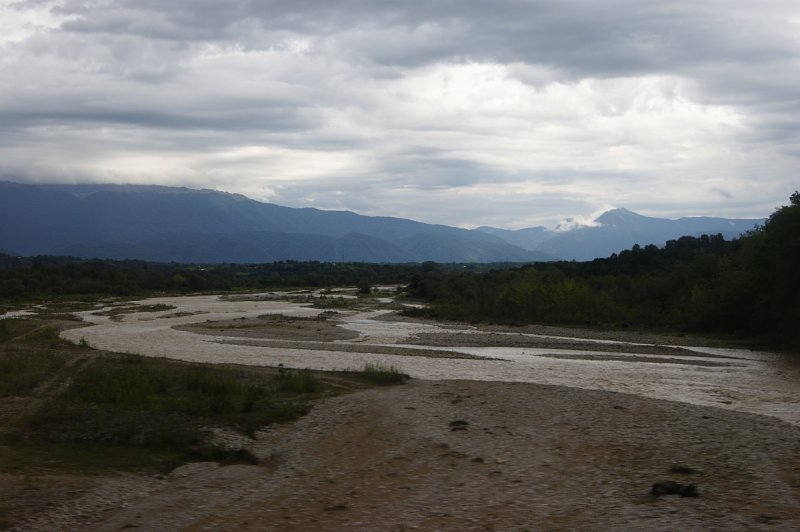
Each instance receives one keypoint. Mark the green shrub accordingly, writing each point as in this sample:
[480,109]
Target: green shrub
[297,381]
[382,374]
[165,404]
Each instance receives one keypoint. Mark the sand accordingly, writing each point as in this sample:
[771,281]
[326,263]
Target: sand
[465,455]
[462,447]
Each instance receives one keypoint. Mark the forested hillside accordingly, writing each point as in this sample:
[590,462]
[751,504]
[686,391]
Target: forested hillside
[748,287]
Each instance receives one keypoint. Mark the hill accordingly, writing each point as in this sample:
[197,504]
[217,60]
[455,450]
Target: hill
[186,225]
[617,230]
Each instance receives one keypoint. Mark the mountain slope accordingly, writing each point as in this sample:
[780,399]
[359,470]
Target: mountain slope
[245,248]
[438,248]
[621,229]
[528,238]
[179,224]
[186,225]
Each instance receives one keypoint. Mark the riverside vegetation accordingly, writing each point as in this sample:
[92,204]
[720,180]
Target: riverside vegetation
[68,408]
[748,288]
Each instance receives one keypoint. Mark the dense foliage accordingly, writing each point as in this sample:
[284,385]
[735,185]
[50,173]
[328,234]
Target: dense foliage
[25,277]
[748,287]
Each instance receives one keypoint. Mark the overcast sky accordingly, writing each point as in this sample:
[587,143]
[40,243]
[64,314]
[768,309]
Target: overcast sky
[511,113]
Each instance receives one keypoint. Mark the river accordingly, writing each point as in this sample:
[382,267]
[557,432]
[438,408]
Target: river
[736,379]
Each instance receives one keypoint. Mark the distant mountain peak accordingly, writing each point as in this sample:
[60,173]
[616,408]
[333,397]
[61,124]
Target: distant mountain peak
[618,215]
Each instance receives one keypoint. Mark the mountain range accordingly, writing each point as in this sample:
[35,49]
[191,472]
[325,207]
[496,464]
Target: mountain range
[619,229]
[203,226]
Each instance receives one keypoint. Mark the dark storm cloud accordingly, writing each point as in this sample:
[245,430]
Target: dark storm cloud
[725,49]
[267,119]
[584,38]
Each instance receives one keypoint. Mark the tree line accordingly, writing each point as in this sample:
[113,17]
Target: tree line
[23,278]
[749,287]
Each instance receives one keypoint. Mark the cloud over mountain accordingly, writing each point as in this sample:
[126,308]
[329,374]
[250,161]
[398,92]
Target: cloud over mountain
[505,113]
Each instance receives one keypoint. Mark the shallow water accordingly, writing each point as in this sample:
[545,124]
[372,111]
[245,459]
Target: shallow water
[757,382]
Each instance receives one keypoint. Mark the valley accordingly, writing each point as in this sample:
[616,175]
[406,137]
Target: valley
[286,329]
[495,420]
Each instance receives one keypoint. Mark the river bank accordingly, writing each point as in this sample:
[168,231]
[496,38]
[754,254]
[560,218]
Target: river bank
[501,428]
[274,329]
[469,455]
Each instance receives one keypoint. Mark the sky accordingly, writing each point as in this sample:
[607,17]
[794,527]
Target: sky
[509,113]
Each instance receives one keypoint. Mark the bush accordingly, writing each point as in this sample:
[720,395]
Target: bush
[297,381]
[382,374]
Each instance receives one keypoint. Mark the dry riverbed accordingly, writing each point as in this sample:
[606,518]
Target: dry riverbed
[311,333]
[460,447]
[461,455]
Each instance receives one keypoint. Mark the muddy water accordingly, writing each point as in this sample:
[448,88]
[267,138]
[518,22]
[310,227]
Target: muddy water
[747,381]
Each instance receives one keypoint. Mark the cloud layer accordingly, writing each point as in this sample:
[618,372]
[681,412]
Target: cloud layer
[502,113]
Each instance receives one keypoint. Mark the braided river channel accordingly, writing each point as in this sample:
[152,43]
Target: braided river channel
[288,329]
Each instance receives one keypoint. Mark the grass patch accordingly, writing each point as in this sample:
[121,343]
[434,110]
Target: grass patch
[31,354]
[382,374]
[69,404]
[28,368]
[72,305]
[302,381]
[333,302]
[144,402]
[69,408]
[130,309]
[45,315]
[5,330]
[30,332]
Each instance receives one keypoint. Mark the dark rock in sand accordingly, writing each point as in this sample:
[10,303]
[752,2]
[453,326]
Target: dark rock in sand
[670,487]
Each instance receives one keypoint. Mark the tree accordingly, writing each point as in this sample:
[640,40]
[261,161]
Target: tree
[364,286]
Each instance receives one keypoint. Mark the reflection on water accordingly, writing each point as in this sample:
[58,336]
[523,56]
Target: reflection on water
[737,379]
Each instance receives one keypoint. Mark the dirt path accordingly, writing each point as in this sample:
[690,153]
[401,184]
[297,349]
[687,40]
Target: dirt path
[465,455]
